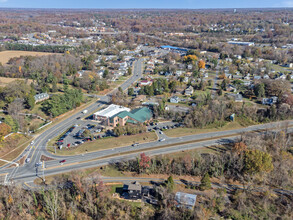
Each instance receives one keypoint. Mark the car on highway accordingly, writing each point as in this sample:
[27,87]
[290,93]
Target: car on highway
[62,161]
[135,144]
[78,118]
[163,139]
[39,164]
[160,132]
[28,160]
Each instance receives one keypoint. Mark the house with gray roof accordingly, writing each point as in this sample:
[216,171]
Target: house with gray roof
[41,97]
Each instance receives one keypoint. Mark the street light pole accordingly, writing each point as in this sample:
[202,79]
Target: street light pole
[44,171]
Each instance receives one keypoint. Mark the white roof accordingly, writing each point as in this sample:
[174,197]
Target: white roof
[111,110]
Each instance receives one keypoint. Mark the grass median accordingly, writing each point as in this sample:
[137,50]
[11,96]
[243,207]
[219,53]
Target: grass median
[106,143]
[180,132]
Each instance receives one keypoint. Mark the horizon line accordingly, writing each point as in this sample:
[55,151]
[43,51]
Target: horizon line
[281,7]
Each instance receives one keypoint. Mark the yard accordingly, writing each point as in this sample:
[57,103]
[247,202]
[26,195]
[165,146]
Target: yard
[107,143]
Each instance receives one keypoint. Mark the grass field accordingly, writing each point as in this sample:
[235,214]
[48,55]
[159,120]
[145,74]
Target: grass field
[107,143]
[179,132]
[5,56]
[4,80]
[9,152]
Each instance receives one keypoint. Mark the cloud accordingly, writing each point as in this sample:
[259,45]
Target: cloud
[287,3]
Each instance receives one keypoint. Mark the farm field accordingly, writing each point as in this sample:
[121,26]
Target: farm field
[5,80]
[5,56]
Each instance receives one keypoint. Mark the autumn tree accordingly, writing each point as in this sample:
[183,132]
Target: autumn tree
[257,161]
[239,147]
[201,64]
[190,59]
[4,129]
[144,162]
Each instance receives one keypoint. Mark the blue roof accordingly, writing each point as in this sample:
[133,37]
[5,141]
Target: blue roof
[173,48]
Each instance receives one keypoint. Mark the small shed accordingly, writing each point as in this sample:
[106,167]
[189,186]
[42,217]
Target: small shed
[185,200]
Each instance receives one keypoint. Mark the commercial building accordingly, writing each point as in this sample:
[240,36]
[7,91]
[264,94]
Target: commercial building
[241,43]
[108,112]
[136,116]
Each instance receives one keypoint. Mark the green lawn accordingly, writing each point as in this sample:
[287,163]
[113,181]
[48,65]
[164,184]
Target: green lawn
[107,143]
[179,132]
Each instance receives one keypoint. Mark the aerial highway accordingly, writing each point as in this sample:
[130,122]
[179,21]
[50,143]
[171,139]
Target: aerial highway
[29,171]
[35,150]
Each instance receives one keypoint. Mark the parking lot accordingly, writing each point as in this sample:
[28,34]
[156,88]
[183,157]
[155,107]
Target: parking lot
[74,136]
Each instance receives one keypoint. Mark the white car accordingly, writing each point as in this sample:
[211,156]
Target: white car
[162,139]
[28,160]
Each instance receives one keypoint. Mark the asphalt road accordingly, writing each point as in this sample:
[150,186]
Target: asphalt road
[28,172]
[103,157]
[38,148]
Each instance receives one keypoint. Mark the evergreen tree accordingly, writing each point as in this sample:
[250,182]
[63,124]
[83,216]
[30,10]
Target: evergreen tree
[54,86]
[205,182]
[170,184]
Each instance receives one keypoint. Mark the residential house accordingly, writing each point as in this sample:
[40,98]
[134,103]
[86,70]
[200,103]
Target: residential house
[231,88]
[205,75]
[132,191]
[270,101]
[41,97]
[189,91]
[238,98]
[289,65]
[282,76]
[246,83]
[247,77]
[146,82]
[237,77]
[179,72]
[189,66]
[257,77]
[175,99]
[266,76]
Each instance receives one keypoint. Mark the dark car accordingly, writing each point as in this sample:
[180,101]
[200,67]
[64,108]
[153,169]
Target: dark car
[77,118]
[62,161]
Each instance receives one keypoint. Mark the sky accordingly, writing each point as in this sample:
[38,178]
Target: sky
[190,4]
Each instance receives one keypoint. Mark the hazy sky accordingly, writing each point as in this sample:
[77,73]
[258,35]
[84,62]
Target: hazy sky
[145,3]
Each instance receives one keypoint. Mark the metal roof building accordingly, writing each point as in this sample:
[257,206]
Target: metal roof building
[185,200]
[110,111]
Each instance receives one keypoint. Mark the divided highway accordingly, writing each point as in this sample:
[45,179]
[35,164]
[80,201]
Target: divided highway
[28,172]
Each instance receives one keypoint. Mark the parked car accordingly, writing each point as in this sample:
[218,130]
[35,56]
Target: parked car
[68,145]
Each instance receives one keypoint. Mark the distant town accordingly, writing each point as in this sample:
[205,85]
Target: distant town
[146,114]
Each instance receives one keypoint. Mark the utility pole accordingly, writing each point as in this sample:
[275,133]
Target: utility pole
[44,171]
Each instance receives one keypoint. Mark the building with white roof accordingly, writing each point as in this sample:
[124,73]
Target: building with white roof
[109,112]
